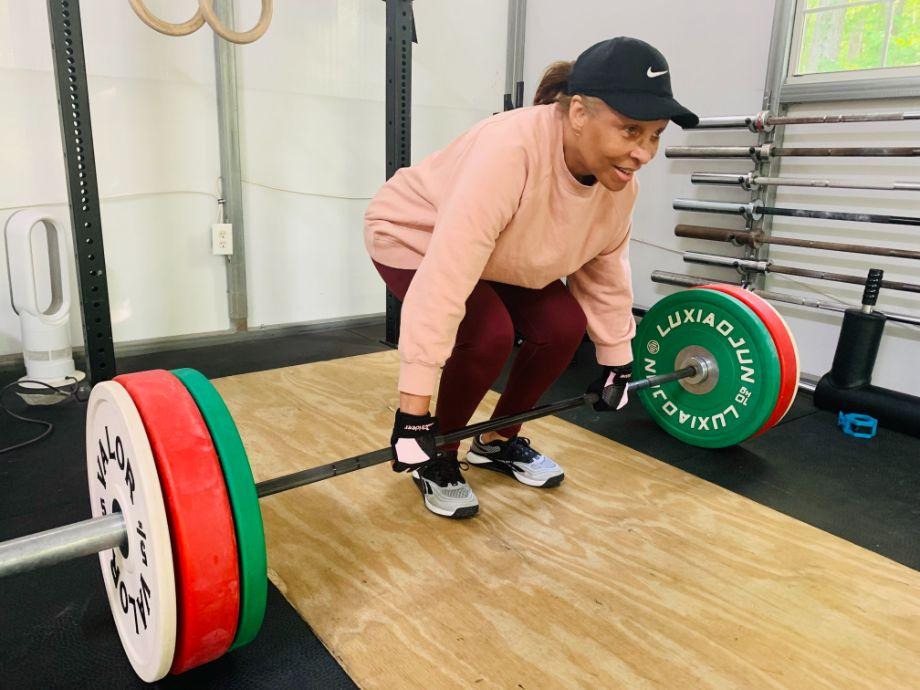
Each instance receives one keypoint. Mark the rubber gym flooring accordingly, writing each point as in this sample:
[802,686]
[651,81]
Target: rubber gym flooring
[56,630]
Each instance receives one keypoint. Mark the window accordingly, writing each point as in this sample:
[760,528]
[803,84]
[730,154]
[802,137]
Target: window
[837,40]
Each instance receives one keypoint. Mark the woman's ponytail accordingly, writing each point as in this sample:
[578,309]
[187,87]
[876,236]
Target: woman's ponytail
[553,83]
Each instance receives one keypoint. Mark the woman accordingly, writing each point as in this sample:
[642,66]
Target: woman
[476,238]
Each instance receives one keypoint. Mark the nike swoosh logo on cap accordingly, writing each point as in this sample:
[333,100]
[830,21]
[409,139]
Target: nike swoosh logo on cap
[652,75]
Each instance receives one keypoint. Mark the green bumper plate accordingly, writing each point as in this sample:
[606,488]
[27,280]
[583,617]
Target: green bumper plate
[244,502]
[739,343]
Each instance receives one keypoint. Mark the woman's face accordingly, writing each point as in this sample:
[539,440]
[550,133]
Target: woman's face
[611,146]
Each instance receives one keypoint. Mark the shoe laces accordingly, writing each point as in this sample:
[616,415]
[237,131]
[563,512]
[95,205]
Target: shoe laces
[521,450]
[444,469]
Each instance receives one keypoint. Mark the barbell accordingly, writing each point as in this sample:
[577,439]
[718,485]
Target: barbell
[176,520]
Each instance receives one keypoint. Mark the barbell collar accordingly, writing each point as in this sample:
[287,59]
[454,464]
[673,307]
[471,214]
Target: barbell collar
[62,544]
[684,280]
[762,122]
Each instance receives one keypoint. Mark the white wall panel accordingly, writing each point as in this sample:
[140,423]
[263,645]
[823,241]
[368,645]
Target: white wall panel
[153,110]
[313,138]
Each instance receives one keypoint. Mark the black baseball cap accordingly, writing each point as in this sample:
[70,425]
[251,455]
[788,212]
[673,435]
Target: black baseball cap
[631,77]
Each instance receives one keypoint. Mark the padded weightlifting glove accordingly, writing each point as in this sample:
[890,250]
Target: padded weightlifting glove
[413,440]
[611,387]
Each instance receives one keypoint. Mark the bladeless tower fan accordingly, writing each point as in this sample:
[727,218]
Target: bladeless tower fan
[36,248]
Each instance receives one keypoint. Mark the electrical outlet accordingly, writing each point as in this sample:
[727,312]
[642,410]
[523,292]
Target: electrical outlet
[222,238]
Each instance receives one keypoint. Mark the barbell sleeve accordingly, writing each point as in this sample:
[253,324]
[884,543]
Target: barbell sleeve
[750,210]
[705,232]
[91,536]
[62,544]
[684,280]
[756,152]
[726,122]
[728,261]
[740,179]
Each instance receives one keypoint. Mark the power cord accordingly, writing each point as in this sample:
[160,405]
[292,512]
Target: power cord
[72,392]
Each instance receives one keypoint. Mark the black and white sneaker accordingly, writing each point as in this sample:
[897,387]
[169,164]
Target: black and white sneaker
[517,459]
[444,489]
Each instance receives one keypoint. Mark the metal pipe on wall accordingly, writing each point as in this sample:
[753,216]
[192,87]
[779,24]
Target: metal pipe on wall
[231,176]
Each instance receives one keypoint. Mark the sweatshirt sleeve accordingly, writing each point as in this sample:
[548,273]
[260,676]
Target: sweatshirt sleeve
[479,200]
[603,288]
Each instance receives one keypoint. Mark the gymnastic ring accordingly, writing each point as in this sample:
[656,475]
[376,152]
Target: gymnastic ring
[157,24]
[207,9]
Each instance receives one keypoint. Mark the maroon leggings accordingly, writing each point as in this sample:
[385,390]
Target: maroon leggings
[551,322]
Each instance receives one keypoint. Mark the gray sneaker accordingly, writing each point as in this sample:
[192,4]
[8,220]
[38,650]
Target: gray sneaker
[444,489]
[517,459]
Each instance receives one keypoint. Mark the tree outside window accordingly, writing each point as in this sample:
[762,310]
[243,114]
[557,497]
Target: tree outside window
[850,35]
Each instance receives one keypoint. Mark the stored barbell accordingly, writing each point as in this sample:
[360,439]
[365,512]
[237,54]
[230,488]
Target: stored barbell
[755,210]
[751,182]
[765,152]
[765,121]
[176,520]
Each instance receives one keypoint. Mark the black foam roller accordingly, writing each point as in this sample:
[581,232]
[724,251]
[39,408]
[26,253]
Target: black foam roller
[892,409]
[860,337]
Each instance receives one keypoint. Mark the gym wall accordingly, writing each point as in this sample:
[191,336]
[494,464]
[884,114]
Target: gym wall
[315,129]
[153,109]
[312,144]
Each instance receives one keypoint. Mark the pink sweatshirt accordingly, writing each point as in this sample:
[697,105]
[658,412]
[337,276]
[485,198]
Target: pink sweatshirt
[500,204]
